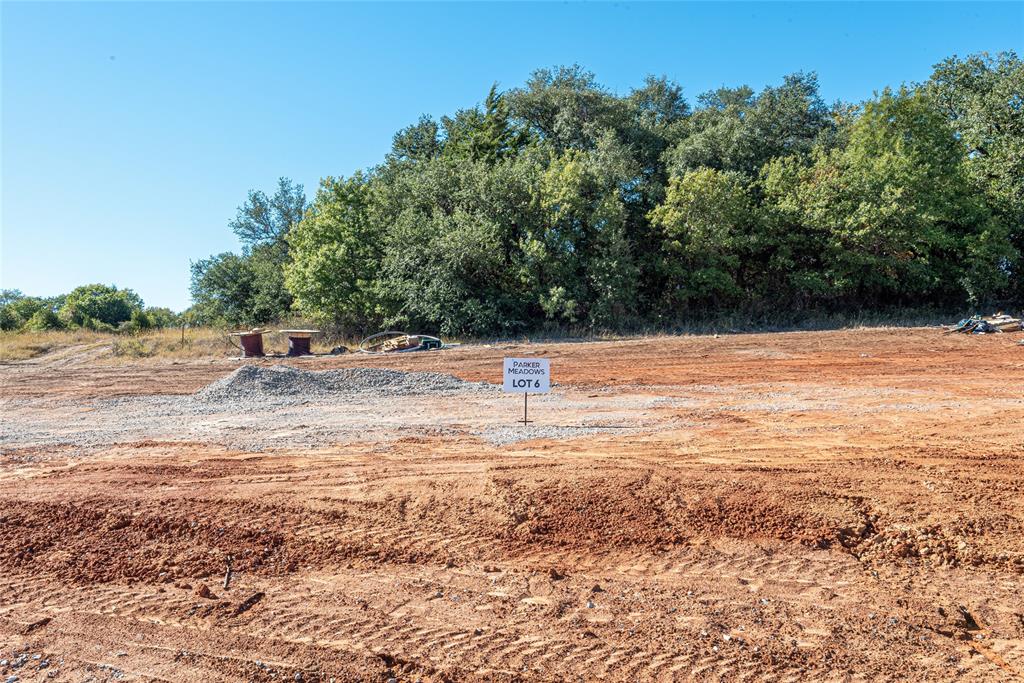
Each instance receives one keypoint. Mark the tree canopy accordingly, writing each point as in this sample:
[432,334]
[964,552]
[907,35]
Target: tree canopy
[561,202]
[249,288]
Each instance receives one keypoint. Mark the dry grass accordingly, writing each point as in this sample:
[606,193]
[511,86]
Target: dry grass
[201,342]
[24,345]
[208,342]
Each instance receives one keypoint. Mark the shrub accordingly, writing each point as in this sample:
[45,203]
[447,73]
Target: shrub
[100,307]
[131,347]
[43,319]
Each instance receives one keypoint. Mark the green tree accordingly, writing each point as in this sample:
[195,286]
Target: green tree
[566,108]
[735,130]
[240,289]
[250,288]
[335,254]
[264,220]
[43,319]
[447,274]
[562,203]
[983,98]
[162,317]
[418,142]
[589,272]
[488,135]
[902,221]
[428,279]
[705,217]
[8,320]
[787,256]
[99,305]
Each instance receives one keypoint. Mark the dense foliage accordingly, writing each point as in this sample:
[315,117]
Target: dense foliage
[562,203]
[94,307]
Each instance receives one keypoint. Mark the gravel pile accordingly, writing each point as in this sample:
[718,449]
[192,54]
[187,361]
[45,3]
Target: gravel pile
[254,383]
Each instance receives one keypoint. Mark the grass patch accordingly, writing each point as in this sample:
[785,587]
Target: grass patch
[200,342]
[16,346]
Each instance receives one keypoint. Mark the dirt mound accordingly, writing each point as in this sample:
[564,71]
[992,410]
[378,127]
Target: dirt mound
[253,382]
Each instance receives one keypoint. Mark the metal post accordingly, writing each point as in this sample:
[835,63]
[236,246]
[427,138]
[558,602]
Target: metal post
[526,401]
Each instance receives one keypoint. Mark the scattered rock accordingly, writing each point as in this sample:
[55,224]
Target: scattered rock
[38,624]
[247,604]
[204,592]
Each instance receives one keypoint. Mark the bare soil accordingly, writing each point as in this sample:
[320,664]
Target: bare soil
[804,506]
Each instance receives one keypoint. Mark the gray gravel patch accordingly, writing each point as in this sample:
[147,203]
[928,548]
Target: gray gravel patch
[503,436]
[260,408]
[254,408]
[274,383]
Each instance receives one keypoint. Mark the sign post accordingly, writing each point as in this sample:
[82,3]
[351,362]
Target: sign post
[525,376]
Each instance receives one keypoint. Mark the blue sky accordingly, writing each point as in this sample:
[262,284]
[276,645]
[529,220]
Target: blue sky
[132,131]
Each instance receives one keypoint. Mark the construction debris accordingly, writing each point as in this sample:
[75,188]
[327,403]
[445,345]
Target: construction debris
[400,342]
[1000,322]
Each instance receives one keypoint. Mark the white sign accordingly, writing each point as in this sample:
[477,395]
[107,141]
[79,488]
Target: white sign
[527,375]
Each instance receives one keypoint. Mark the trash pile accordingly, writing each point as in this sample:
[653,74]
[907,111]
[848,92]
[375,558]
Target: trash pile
[400,342]
[1000,322]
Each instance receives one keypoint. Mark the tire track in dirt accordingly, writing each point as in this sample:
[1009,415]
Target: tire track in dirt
[514,646]
[810,530]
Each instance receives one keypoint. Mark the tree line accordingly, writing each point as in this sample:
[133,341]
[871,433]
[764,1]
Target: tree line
[561,203]
[102,308]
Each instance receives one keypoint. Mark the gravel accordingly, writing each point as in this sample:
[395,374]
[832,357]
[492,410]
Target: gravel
[277,382]
[259,408]
[255,409]
[507,435]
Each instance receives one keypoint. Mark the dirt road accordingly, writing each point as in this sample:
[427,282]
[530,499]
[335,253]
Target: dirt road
[805,506]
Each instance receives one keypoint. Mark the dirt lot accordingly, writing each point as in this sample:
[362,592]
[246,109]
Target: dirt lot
[806,506]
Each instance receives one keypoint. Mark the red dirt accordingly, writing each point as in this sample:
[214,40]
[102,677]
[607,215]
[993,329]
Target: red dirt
[874,535]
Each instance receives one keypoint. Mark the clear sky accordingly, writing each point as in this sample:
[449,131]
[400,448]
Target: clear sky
[132,131]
